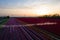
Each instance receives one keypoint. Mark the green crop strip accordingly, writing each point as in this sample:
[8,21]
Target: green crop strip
[3,22]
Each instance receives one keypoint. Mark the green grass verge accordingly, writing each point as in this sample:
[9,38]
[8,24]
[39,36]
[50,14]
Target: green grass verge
[3,22]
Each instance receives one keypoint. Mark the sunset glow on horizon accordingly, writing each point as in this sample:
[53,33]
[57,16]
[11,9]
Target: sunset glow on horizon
[29,7]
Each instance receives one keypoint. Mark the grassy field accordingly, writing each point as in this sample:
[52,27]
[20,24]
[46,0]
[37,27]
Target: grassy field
[3,21]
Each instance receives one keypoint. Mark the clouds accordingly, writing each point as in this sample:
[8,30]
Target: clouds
[26,3]
[16,7]
[29,4]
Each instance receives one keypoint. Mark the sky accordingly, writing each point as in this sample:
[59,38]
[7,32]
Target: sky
[29,7]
